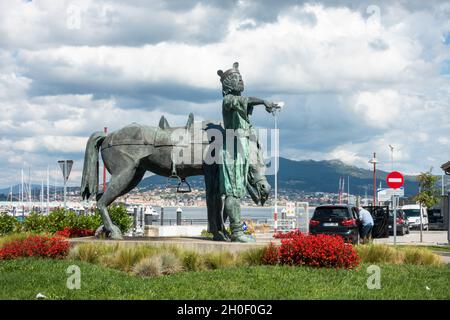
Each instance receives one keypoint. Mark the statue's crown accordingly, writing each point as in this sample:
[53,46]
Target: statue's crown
[224,75]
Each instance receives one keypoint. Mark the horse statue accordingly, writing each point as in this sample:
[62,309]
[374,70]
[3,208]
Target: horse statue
[176,153]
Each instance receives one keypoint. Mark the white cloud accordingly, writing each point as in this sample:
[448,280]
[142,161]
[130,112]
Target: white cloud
[353,82]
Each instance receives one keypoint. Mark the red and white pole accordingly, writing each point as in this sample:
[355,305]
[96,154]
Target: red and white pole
[275,214]
[375,179]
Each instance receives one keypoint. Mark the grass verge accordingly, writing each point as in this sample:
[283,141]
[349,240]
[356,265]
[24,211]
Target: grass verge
[24,278]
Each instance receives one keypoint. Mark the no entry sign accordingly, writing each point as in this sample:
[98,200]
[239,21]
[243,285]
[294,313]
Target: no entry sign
[395,180]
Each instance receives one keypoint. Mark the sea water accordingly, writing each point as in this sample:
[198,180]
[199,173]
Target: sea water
[201,213]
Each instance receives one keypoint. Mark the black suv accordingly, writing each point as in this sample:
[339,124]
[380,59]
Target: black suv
[336,220]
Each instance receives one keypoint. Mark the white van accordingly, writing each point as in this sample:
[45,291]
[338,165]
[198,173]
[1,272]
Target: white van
[413,212]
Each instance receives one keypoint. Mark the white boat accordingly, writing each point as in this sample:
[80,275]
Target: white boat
[147,209]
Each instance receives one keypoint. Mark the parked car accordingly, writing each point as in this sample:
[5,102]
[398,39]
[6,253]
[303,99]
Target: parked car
[380,215]
[402,223]
[435,215]
[339,220]
[413,212]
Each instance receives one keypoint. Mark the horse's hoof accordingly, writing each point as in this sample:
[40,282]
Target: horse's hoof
[112,233]
[115,233]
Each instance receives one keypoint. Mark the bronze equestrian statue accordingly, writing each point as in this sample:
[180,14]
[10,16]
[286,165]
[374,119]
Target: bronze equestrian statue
[200,148]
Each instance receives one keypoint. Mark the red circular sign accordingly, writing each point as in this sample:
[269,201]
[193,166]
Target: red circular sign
[395,180]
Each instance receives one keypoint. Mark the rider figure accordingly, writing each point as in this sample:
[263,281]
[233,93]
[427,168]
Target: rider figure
[236,111]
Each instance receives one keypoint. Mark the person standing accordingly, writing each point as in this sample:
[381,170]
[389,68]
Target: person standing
[233,169]
[366,224]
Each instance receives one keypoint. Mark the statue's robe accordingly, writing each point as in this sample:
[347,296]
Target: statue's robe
[234,165]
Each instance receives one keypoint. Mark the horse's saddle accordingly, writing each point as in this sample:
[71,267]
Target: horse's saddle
[163,135]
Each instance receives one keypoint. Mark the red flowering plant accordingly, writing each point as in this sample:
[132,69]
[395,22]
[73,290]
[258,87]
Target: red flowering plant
[270,255]
[35,246]
[74,232]
[287,235]
[321,250]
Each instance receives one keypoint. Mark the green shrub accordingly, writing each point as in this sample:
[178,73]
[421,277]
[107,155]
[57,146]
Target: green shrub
[206,234]
[120,217]
[8,224]
[35,222]
[59,219]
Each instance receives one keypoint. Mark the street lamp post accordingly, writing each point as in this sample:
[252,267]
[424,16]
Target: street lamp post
[392,156]
[374,161]
[277,108]
[66,167]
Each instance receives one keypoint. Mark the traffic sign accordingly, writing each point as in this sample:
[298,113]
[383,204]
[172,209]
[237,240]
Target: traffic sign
[395,180]
[386,194]
[66,167]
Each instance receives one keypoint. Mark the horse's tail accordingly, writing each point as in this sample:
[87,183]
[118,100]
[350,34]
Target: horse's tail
[89,181]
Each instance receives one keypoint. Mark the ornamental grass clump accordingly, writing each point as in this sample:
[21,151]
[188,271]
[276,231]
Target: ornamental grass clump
[380,253]
[421,256]
[92,252]
[252,257]
[321,250]
[149,267]
[159,264]
[193,261]
[219,260]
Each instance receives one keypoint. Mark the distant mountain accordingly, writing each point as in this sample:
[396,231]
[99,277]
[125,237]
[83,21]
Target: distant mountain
[323,176]
[306,175]
[311,176]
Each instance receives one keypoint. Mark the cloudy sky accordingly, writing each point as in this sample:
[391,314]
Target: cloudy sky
[355,77]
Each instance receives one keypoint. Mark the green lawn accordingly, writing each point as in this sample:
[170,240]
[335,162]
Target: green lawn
[24,278]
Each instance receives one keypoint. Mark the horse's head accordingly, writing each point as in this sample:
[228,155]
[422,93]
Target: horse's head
[258,187]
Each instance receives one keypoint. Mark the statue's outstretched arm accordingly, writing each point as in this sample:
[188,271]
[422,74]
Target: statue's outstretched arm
[252,101]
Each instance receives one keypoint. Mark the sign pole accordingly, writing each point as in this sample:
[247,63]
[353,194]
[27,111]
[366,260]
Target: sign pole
[395,180]
[66,166]
[394,203]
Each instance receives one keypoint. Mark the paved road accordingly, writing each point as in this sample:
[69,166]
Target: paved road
[429,238]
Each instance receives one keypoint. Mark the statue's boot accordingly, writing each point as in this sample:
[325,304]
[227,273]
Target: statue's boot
[220,236]
[239,236]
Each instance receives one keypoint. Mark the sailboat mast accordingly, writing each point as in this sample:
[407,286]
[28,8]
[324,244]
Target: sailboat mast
[48,191]
[21,189]
[54,180]
[42,196]
[29,188]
